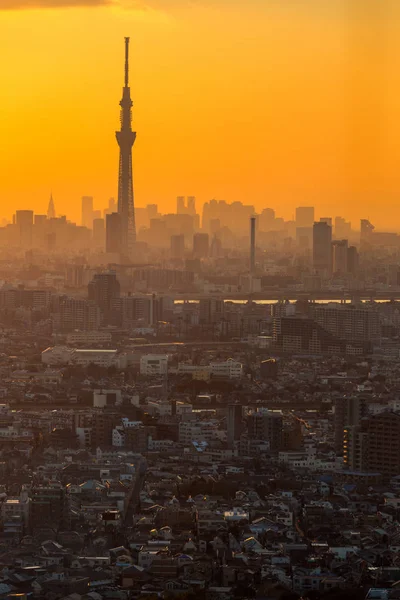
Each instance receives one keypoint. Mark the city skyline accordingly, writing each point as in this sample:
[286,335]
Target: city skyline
[313,122]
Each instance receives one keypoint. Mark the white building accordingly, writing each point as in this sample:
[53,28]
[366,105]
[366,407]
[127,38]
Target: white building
[154,364]
[230,369]
[101,358]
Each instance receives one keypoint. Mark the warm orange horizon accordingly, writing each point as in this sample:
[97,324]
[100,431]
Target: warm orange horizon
[276,103]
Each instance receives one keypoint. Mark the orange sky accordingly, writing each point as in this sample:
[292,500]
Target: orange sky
[272,102]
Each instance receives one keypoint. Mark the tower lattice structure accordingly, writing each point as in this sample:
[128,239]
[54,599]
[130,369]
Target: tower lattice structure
[126,138]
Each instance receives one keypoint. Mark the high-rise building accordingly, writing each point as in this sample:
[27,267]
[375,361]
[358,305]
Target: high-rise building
[191,205]
[342,228]
[126,138]
[374,446]
[266,219]
[24,222]
[99,233]
[77,313]
[102,289]
[234,423]
[327,220]
[87,212]
[177,246]
[51,211]
[349,411]
[112,207]
[352,260]
[201,245]
[180,205]
[113,233]
[266,425]
[367,232]
[304,216]
[322,248]
[211,310]
[339,256]
[348,322]
[252,244]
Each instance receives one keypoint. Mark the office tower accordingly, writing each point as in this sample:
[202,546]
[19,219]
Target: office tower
[327,220]
[367,232]
[339,255]
[349,410]
[113,233]
[96,214]
[112,207]
[252,244]
[87,212]
[234,423]
[266,426]
[304,216]
[191,205]
[99,233]
[322,248]
[180,205]
[177,246]
[39,220]
[352,260]
[266,219]
[201,243]
[342,228]
[126,138]
[152,211]
[215,247]
[51,211]
[24,223]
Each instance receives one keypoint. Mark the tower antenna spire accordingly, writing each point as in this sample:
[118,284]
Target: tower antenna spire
[126,62]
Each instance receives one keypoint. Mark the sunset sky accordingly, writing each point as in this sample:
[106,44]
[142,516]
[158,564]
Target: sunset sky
[275,103]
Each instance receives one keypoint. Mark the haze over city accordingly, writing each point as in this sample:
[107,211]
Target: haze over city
[270,103]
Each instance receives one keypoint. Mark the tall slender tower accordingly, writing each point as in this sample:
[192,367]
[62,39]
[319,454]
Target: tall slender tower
[126,138]
[51,211]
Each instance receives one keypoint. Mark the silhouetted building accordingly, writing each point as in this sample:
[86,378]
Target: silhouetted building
[201,245]
[102,289]
[252,244]
[177,246]
[352,260]
[24,222]
[322,248]
[51,211]
[114,233]
[349,411]
[304,216]
[87,212]
[234,423]
[99,233]
[339,256]
[266,426]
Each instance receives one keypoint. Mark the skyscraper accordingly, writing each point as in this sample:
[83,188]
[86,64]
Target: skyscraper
[126,138]
[252,244]
[113,233]
[322,248]
[24,221]
[339,256]
[201,245]
[51,211]
[87,211]
[304,216]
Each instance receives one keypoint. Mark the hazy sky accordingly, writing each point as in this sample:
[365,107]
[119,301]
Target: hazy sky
[271,102]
